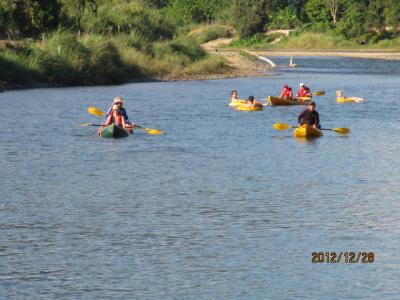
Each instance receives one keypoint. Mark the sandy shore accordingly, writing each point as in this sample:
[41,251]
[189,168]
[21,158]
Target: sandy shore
[387,55]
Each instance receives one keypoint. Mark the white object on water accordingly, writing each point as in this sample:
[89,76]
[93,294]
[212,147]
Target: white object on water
[291,64]
[267,60]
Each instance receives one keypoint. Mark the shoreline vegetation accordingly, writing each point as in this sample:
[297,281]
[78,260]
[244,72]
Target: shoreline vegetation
[98,42]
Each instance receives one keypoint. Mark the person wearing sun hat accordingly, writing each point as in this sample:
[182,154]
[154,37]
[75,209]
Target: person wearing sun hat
[118,109]
[119,102]
[303,91]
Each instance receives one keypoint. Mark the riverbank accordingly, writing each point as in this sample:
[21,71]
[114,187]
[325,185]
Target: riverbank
[67,60]
[217,62]
[370,54]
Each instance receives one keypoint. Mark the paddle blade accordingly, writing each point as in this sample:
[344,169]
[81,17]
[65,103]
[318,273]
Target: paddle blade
[96,111]
[85,125]
[341,130]
[153,131]
[281,126]
[319,93]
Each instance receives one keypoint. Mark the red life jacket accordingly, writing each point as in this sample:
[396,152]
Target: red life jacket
[112,120]
[286,92]
[117,120]
[303,92]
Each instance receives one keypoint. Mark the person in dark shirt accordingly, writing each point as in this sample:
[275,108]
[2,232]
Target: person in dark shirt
[310,116]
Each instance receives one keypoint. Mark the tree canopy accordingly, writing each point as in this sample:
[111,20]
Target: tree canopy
[158,18]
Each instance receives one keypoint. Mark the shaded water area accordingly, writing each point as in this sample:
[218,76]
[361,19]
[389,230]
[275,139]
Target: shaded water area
[220,207]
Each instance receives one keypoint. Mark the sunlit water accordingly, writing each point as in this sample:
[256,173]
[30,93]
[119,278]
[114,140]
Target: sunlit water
[220,207]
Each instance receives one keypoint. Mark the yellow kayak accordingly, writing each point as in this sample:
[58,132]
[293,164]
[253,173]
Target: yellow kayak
[279,101]
[237,102]
[245,107]
[344,99]
[306,131]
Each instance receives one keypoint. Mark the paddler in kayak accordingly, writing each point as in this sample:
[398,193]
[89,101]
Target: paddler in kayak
[310,116]
[251,102]
[117,115]
[303,91]
[286,93]
[234,96]
[340,97]
[120,103]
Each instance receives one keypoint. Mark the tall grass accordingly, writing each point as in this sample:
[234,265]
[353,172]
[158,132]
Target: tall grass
[314,41]
[211,32]
[208,65]
[66,58]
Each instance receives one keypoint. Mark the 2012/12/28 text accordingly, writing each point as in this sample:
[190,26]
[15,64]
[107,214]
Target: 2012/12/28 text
[343,257]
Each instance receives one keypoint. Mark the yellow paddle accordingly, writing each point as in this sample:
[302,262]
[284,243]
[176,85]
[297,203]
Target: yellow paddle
[284,126]
[340,130]
[96,112]
[99,113]
[319,93]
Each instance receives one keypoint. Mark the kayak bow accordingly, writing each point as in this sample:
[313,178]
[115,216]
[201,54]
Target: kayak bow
[114,131]
[286,102]
[306,131]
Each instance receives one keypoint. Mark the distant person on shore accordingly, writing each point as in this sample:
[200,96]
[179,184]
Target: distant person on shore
[286,93]
[251,102]
[309,116]
[303,91]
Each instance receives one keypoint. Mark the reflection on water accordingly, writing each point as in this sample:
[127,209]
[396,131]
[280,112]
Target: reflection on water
[220,207]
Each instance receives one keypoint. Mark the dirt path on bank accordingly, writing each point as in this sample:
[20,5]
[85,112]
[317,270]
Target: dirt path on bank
[241,66]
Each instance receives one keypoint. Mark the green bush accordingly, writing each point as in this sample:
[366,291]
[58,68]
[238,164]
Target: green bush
[254,40]
[314,41]
[209,65]
[284,19]
[212,32]
[115,17]
[317,11]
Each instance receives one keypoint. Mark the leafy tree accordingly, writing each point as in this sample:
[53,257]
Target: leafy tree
[285,19]
[74,10]
[392,14]
[29,16]
[353,22]
[121,17]
[156,3]
[375,15]
[317,11]
[186,12]
[249,16]
[7,24]
[333,6]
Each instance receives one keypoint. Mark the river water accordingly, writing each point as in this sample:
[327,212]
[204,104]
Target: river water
[220,207]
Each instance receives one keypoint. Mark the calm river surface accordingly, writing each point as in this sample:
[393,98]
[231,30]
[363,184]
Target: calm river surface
[220,207]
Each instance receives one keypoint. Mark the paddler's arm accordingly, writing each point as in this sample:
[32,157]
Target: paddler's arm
[299,118]
[317,124]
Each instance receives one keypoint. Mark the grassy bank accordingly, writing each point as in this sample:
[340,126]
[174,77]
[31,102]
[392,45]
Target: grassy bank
[64,58]
[315,41]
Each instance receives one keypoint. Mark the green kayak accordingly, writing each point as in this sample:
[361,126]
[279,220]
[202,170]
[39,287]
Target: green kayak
[114,131]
